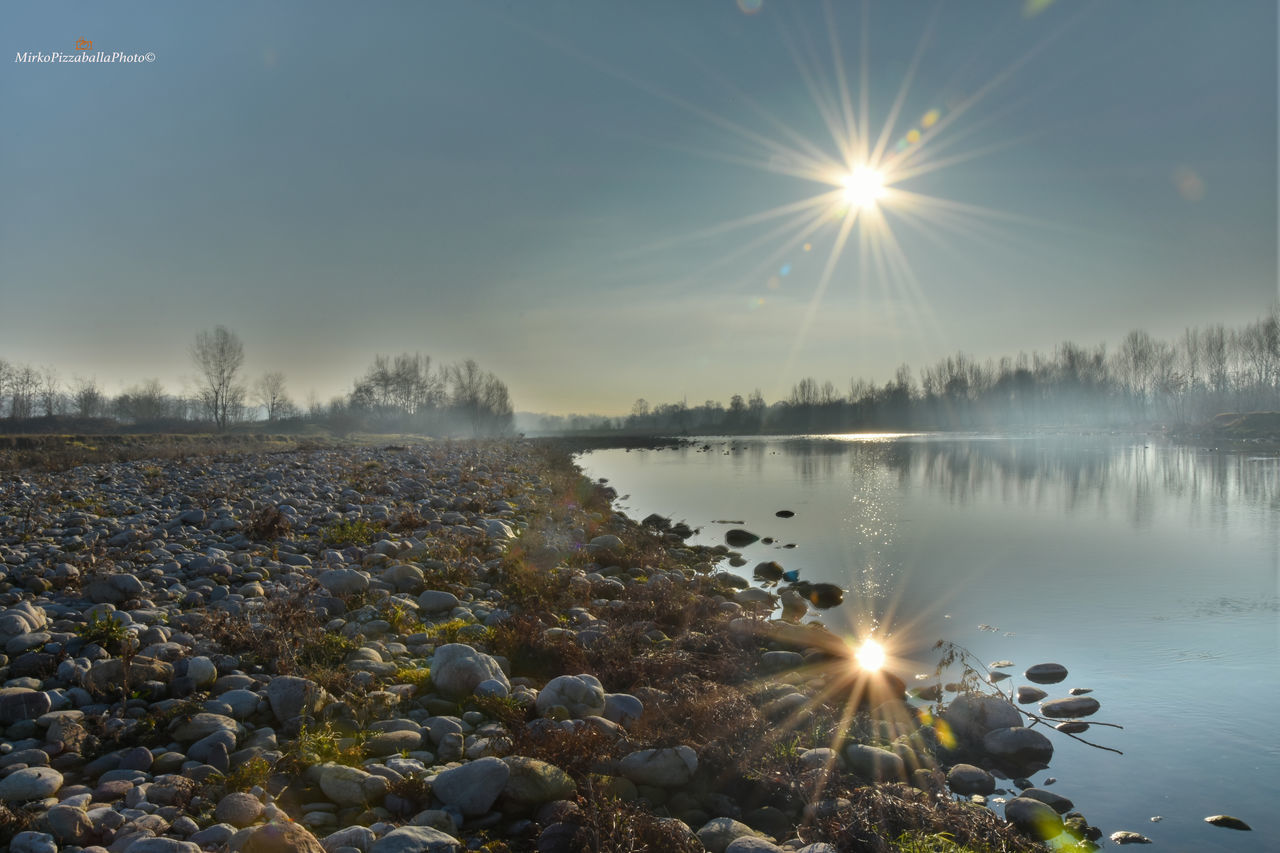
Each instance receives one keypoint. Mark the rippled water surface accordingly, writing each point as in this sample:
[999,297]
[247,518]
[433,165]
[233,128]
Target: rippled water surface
[1152,572]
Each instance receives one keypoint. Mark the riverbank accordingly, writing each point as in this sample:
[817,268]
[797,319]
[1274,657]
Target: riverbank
[449,646]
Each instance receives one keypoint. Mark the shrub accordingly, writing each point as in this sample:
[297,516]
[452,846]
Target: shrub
[350,531]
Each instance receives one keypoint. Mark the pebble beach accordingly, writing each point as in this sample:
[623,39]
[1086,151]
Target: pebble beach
[444,647]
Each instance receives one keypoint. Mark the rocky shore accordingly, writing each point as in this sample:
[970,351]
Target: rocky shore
[441,648]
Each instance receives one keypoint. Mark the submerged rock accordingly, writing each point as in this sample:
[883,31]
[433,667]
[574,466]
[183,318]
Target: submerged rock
[1027,695]
[1077,706]
[1124,836]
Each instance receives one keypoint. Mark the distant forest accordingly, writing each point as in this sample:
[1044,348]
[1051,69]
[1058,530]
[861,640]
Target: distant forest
[1145,382]
[396,394]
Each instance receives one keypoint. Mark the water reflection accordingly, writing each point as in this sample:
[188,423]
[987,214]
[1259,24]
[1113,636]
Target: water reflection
[1115,478]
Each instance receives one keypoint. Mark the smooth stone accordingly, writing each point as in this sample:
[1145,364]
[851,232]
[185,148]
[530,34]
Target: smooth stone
[1124,836]
[821,756]
[746,844]
[202,671]
[661,768]
[281,838]
[717,834]
[1076,706]
[605,542]
[68,823]
[416,839]
[1057,802]
[343,581]
[291,696]
[738,538]
[357,837]
[351,786]
[875,764]
[107,676]
[390,743]
[622,708]
[581,695]
[967,779]
[23,704]
[238,809]
[1033,818]
[1226,821]
[781,660]
[213,836]
[1027,695]
[473,787]
[533,782]
[163,845]
[1046,673]
[1019,745]
[971,716]
[456,670]
[754,596]
[243,703]
[33,842]
[437,601]
[202,725]
[31,783]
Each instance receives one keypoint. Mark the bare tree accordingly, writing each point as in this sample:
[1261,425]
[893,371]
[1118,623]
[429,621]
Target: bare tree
[51,399]
[269,392]
[24,382]
[145,403]
[218,355]
[87,398]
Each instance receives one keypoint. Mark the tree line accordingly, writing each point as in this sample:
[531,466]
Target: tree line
[402,393]
[1143,382]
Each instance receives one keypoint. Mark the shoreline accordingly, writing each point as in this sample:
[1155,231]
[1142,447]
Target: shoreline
[460,642]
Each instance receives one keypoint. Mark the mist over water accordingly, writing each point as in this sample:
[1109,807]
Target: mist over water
[1152,572]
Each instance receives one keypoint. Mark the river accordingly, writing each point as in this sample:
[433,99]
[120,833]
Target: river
[1151,571]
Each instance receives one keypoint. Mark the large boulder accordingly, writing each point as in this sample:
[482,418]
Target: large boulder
[457,668]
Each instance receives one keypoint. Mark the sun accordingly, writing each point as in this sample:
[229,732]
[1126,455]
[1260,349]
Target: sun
[870,655]
[864,187]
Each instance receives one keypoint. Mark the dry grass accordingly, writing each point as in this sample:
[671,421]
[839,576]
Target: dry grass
[878,813]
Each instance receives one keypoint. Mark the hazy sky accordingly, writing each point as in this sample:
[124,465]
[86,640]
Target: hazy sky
[542,186]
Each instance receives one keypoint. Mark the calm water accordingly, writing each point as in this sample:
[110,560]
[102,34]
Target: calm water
[1151,572]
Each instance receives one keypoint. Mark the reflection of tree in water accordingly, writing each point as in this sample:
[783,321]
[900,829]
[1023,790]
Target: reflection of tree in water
[1115,479]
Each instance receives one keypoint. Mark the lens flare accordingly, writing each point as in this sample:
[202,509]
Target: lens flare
[864,186]
[870,655]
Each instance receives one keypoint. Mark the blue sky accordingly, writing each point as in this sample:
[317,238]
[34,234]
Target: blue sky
[538,186]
